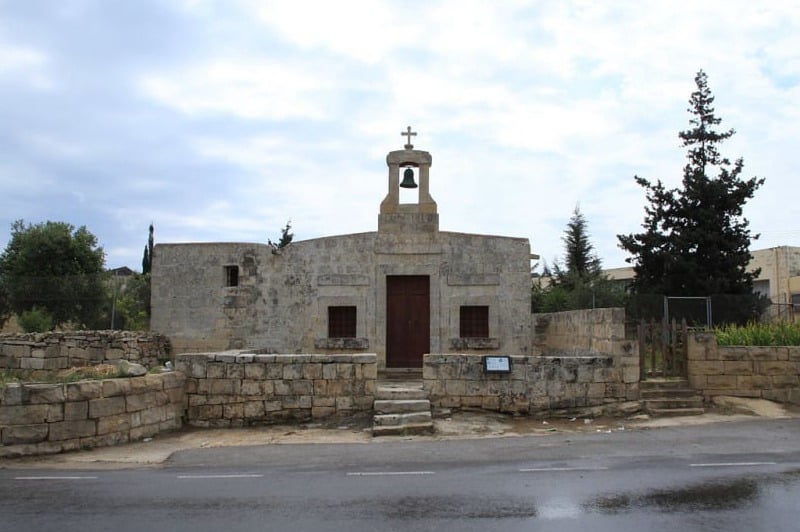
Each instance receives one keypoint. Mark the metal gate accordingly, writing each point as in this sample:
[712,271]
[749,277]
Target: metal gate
[662,349]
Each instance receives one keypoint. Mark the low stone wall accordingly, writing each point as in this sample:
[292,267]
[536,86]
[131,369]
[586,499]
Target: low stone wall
[51,418]
[60,350]
[765,372]
[580,332]
[235,388]
[536,384]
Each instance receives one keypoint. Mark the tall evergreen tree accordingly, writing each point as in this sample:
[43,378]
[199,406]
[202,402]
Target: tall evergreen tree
[582,265]
[696,241]
[147,257]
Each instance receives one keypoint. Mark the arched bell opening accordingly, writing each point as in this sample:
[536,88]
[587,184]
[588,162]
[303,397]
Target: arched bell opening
[409,189]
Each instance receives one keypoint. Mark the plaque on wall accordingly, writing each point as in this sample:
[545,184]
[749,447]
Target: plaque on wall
[497,364]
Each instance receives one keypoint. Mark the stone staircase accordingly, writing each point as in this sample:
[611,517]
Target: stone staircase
[670,397]
[401,408]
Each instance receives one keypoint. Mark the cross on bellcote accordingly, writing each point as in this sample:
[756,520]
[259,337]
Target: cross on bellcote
[408,133]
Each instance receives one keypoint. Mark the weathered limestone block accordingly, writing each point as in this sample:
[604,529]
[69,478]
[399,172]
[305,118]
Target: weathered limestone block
[76,410]
[11,395]
[23,434]
[753,382]
[743,367]
[255,371]
[253,410]
[26,414]
[302,387]
[145,431]
[323,401]
[274,371]
[344,403]
[117,423]
[251,387]
[68,430]
[722,382]
[321,412]
[282,388]
[215,370]
[292,402]
[292,371]
[233,411]
[115,387]
[234,371]
[107,406]
[785,381]
[775,367]
[312,371]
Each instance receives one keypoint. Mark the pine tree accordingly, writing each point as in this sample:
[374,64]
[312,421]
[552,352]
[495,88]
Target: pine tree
[582,265]
[696,241]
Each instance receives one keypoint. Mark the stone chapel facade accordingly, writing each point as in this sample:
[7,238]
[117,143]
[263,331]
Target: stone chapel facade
[401,292]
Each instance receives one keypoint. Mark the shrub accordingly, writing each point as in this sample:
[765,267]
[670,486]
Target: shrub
[36,319]
[768,334]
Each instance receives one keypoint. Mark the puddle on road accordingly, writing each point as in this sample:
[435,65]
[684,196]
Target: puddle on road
[407,508]
[719,495]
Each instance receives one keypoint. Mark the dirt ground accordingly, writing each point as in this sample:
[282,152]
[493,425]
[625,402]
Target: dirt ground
[356,430]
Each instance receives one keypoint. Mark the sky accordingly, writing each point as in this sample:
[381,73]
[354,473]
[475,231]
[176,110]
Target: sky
[223,120]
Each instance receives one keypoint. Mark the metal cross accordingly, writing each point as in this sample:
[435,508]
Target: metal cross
[408,133]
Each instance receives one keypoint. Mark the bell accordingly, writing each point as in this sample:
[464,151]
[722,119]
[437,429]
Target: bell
[408,179]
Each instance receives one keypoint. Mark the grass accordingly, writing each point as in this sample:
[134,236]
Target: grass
[763,334]
[98,372]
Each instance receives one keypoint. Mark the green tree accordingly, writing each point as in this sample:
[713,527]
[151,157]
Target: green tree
[580,283]
[581,265]
[285,240]
[147,257]
[57,269]
[132,304]
[696,241]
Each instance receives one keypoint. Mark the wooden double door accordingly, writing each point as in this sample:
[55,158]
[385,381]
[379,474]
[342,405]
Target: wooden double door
[408,320]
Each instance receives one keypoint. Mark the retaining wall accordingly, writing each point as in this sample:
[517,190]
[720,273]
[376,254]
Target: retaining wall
[60,350]
[764,372]
[51,418]
[580,332]
[535,383]
[235,388]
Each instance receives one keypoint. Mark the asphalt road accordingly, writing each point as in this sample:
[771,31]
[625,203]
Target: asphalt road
[732,477]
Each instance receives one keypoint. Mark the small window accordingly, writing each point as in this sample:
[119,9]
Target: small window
[231,276]
[474,321]
[341,322]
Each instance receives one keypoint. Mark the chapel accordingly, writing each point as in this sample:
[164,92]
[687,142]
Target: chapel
[402,291]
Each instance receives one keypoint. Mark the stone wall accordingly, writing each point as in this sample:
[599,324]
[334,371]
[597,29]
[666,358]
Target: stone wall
[235,389]
[281,300]
[59,350]
[765,372]
[536,384]
[51,418]
[580,332]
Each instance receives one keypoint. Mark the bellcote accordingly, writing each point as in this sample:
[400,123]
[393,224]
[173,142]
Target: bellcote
[419,217]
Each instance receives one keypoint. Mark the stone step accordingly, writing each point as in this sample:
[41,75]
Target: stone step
[396,420]
[674,412]
[403,430]
[400,374]
[386,392]
[664,384]
[666,403]
[401,406]
[673,392]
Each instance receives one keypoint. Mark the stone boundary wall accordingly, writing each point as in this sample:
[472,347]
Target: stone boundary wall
[234,389]
[580,332]
[51,418]
[749,371]
[536,384]
[60,350]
